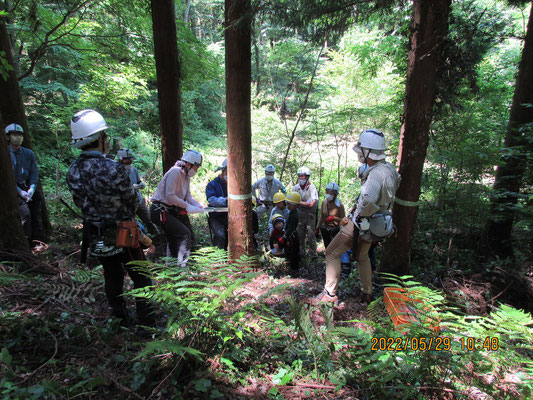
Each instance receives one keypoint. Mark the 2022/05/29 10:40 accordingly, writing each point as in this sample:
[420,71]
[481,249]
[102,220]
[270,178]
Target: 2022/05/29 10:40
[438,343]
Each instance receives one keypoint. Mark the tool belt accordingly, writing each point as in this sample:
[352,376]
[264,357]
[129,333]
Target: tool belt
[100,238]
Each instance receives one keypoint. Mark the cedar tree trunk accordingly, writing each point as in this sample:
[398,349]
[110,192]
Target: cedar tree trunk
[517,144]
[12,111]
[238,125]
[168,80]
[429,27]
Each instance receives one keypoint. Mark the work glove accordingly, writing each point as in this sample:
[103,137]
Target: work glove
[259,202]
[194,210]
[136,186]
[282,242]
[23,194]
[183,212]
[330,219]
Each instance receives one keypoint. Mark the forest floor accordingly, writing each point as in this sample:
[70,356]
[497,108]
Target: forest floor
[58,341]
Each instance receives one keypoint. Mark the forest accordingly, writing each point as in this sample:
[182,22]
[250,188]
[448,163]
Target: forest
[250,84]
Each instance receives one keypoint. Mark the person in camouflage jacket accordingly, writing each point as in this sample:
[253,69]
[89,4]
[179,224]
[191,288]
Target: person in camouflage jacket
[101,188]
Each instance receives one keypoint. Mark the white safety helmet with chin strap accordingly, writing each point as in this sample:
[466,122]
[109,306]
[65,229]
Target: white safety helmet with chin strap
[14,128]
[124,153]
[270,169]
[193,157]
[86,126]
[371,145]
[303,171]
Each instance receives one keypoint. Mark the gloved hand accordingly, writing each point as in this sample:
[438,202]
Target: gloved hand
[136,186]
[362,223]
[194,210]
[183,212]
[259,202]
[23,194]
[330,219]
[282,241]
[31,191]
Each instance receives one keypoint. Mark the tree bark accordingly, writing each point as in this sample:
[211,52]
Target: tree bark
[168,80]
[12,111]
[11,235]
[429,27]
[517,145]
[238,125]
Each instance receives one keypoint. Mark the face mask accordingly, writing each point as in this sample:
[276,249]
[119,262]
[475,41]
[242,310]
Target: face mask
[16,140]
[127,162]
[329,197]
[191,173]
[269,177]
[302,182]
[225,177]
[127,166]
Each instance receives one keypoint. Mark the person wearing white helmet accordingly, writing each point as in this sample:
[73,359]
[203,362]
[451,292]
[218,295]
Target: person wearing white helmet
[370,219]
[308,210]
[216,193]
[101,188]
[171,203]
[331,213]
[268,186]
[26,178]
[125,157]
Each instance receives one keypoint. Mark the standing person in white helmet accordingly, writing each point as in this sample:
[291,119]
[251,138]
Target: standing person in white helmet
[125,157]
[268,186]
[26,178]
[101,188]
[171,203]
[307,212]
[370,219]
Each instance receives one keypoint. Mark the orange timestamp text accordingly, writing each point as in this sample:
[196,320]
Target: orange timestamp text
[438,343]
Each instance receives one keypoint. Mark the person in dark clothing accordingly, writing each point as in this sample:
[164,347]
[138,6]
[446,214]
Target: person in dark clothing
[278,225]
[290,241]
[216,192]
[101,188]
[26,179]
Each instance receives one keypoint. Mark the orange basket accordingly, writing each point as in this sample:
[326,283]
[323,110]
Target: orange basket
[400,304]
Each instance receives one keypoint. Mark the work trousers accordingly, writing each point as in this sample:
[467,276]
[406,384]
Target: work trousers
[178,235]
[218,223]
[306,228]
[30,215]
[114,271]
[341,243]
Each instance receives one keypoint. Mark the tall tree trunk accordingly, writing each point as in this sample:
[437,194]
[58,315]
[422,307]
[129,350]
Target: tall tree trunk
[11,235]
[517,145]
[168,80]
[429,27]
[12,110]
[238,125]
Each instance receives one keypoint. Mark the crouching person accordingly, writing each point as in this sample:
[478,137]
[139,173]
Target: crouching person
[101,188]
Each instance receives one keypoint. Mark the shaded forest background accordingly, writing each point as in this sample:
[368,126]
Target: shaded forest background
[321,73]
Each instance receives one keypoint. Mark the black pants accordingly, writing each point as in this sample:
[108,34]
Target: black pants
[114,271]
[178,235]
[328,235]
[30,214]
[292,251]
[218,223]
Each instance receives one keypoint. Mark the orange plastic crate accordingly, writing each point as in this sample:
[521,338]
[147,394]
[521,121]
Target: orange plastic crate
[400,306]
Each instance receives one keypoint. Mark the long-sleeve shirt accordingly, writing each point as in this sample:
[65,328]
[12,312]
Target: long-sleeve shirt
[101,188]
[174,189]
[136,180]
[332,208]
[24,167]
[216,192]
[380,183]
[267,189]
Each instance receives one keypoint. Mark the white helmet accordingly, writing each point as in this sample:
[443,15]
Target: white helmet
[333,186]
[193,157]
[270,169]
[373,141]
[124,153]
[14,128]
[223,166]
[303,171]
[85,127]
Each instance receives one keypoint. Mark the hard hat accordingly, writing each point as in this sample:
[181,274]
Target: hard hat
[303,171]
[270,169]
[85,126]
[193,157]
[276,217]
[124,153]
[223,166]
[294,198]
[279,197]
[14,128]
[374,141]
[333,186]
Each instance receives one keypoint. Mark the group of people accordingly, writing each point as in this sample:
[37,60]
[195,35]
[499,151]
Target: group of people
[107,192]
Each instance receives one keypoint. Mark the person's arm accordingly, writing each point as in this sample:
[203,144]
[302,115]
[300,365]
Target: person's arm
[171,184]
[139,184]
[367,202]
[122,182]
[282,188]
[193,202]
[322,216]
[214,198]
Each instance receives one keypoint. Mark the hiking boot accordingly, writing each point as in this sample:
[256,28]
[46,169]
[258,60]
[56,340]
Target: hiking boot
[324,297]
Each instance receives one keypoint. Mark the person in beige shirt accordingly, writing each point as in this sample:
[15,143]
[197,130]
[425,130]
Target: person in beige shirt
[370,220]
[307,210]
